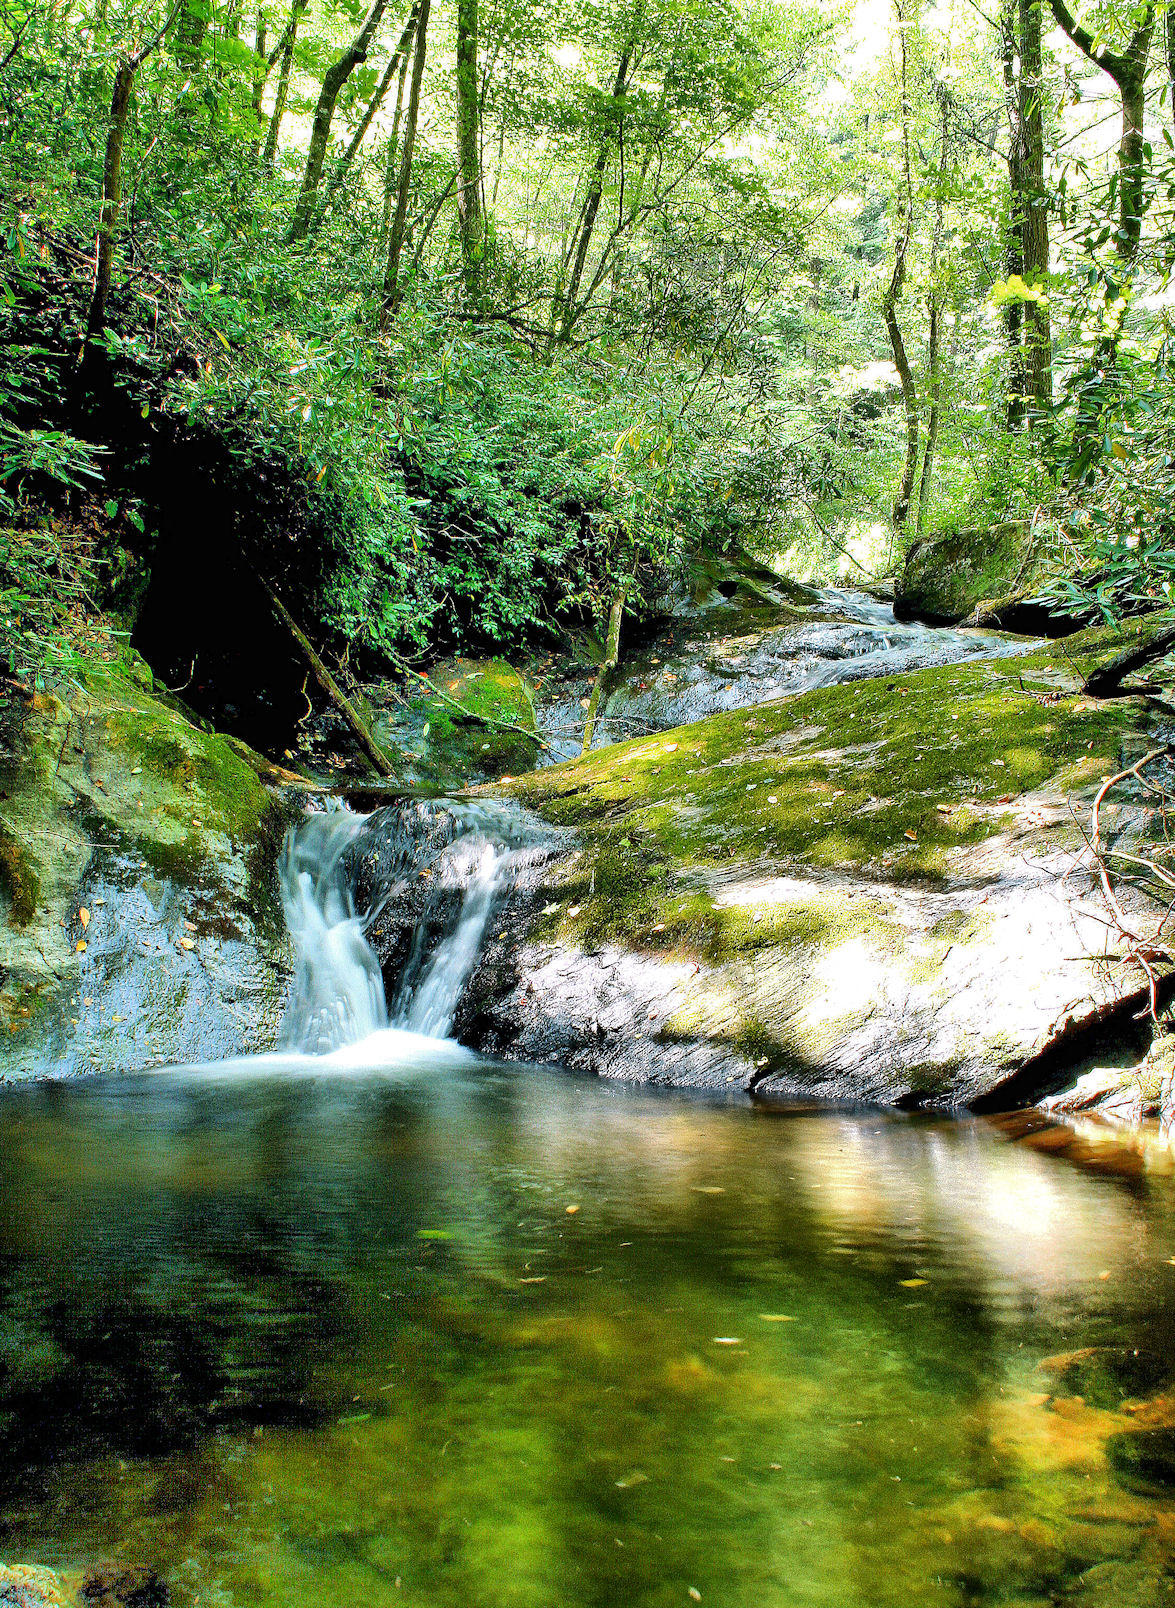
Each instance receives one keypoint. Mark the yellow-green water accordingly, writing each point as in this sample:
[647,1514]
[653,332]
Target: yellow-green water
[488,1336]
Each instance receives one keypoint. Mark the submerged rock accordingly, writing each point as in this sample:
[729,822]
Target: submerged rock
[24,1585]
[138,916]
[877,892]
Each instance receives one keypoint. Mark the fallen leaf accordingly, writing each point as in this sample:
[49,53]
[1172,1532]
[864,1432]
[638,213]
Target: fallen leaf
[571,1210]
[635,1478]
[80,945]
[727,1340]
[84,917]
[913,836]
[187,943]
[775,1317]
[695,1593]
[913,1284]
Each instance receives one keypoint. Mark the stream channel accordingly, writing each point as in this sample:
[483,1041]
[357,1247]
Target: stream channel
[372,1320]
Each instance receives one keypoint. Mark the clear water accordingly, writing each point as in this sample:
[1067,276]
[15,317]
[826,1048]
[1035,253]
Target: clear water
[304,1333]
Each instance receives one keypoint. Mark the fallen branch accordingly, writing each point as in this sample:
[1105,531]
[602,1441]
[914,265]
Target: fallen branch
[1143,950]
[330,686]
[1106,679]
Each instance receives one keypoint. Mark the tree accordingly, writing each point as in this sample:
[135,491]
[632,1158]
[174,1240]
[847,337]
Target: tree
[471,218]
[285,49]
[392,290]
[397,64]
[333,80]
[1127,68]
[120,102]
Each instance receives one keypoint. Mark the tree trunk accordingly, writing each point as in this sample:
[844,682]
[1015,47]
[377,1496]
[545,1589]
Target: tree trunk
[120,101]
[335,77]
[471,218]
[1017,206]
[393,294]
[591,205]
[269,155]
[260,72]
[392,167]
[901,506]
[1128,70]
[607,667]
[400,54]
[1038,349]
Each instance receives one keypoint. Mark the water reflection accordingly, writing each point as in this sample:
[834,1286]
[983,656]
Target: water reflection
[509,1337]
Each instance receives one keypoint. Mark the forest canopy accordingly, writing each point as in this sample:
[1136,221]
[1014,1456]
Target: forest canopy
[460,323]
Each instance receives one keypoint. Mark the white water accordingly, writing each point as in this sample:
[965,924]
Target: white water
[338,1010]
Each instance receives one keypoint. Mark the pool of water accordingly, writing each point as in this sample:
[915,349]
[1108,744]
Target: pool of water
[461,1334]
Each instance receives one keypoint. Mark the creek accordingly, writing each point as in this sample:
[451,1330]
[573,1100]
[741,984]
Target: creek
[372,1319]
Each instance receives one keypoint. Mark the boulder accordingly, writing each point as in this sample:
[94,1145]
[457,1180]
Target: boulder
[948,576]
[139,921]
[25,1585]
[478,724]
[877,892]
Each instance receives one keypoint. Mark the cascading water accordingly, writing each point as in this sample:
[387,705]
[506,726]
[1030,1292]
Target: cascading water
[338,995]
[430,872]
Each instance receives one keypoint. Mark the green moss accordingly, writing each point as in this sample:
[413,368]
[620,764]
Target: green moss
[887,780]
[946,576]
[489,734]
[18,877]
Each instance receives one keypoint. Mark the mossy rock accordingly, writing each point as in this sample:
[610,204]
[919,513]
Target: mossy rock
[947,576]
[850,894]
[103,788]
[478,725]
[1144,1459]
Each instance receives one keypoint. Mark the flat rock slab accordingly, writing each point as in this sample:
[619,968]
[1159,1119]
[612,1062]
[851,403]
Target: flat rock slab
[879,892]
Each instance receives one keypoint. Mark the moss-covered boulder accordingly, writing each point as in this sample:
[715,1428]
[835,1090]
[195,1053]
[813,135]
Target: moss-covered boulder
[873,891]
[138,921]
[474,721]
[949,576]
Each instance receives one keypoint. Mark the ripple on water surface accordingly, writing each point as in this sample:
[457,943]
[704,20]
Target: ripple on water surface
[502,1337]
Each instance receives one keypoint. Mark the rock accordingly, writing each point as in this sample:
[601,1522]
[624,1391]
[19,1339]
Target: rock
[947,576]
[444,746]
[1144,1459]
[24,1585]
[873,892]
[114,804]
[1106,1376]
[120,1586]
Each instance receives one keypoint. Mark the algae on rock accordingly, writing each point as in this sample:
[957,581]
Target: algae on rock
[875,891]
[109,791]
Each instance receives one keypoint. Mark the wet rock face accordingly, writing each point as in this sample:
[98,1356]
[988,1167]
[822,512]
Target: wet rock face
[876,893]
[138,914]
[394,871]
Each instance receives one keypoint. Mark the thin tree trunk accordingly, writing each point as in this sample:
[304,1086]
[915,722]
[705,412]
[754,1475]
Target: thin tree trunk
[591,205]
[470,217]
[901,506]
[607,667]
[934,304]
[120,102]
[392,293]
[392,167]
[335,77]
[1038,348]
[260,72]
[400,54]
[1014,239]
[269,154]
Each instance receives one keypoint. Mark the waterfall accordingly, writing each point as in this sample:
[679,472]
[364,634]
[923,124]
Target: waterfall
[413,885]
[338,993]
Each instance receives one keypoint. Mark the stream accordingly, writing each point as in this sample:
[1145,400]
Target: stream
[371,1319]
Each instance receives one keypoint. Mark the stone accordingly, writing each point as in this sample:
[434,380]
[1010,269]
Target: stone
[870,892]
[25,1585]
[124,1586]
[108,791]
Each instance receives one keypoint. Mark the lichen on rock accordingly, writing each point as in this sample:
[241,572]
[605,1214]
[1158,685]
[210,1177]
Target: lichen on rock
[867,892]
